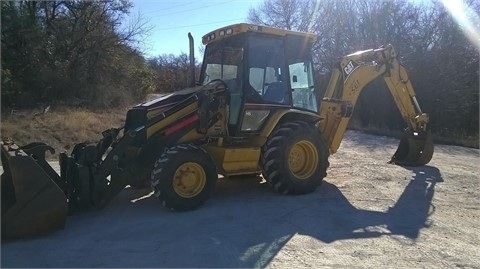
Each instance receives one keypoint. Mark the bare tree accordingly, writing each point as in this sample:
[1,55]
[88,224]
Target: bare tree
[68,50]
[444,65]
[171,72]
[286,14]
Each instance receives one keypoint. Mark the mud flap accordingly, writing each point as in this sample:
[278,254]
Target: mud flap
[415,149]
[32,203]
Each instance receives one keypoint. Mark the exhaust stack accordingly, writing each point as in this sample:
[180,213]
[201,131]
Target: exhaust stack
[192,61]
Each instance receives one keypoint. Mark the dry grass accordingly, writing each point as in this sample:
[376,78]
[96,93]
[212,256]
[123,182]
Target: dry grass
[60,128]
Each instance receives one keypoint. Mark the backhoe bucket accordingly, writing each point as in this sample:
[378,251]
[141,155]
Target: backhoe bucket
[415,149]
[32,203]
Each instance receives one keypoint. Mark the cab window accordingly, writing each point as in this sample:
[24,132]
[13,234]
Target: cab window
[266,76]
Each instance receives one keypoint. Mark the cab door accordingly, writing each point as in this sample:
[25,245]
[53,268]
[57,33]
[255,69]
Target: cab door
[266,86]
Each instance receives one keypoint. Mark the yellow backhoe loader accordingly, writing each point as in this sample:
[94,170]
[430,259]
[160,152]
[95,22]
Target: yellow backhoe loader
[255,109]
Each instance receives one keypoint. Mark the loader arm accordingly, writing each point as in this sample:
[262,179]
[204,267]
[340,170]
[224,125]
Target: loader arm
[352,74]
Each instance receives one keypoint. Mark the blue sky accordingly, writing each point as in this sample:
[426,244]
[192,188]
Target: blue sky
[172,20]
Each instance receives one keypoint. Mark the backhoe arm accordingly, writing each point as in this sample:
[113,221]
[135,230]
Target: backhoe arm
[348,80]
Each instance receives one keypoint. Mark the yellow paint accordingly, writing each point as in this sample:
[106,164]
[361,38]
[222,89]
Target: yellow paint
[303,159]
[160,125]
[347,82]
[189,180]
[235,29]
[275,118]
[235,160]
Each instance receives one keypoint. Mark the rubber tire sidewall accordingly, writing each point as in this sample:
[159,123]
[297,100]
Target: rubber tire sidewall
[278,173]
[164,171]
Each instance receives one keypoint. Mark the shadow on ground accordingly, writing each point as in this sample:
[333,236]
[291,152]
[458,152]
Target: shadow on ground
[244,225]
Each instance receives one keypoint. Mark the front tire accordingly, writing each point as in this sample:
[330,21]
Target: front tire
[295,158]
[184,177]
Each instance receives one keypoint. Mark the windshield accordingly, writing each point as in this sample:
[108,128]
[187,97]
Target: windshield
[222,61]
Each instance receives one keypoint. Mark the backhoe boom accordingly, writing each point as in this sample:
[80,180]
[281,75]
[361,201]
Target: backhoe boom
[352,74]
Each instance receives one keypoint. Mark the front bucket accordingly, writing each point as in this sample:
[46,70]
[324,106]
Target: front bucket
[415,149]
[32,203]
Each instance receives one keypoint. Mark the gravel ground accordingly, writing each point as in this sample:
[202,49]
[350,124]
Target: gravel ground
[367,214]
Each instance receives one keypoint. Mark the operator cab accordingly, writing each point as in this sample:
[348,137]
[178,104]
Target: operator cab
[265,69]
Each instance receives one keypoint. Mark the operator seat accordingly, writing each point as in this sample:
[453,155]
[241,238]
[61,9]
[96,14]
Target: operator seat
[276,92]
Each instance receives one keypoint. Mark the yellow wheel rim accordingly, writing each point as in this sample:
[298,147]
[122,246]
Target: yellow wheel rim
[189,180]
[303,159]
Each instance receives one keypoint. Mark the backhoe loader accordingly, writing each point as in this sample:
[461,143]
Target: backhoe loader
[254,109]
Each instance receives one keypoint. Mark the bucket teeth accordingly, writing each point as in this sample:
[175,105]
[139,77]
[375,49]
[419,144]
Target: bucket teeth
[415,149]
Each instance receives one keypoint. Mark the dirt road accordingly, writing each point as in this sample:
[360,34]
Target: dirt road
[367,214]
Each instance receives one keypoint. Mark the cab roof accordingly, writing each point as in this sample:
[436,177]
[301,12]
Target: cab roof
[235,29]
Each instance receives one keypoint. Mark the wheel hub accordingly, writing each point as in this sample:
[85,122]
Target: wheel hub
[189,180]
[303,159]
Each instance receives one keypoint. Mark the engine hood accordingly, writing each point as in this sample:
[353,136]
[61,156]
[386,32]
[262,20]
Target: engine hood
[139,115]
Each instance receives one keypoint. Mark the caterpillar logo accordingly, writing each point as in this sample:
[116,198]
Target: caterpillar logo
[348,69]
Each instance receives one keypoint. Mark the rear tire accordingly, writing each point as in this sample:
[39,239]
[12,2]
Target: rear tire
[184,177]
[295,158]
